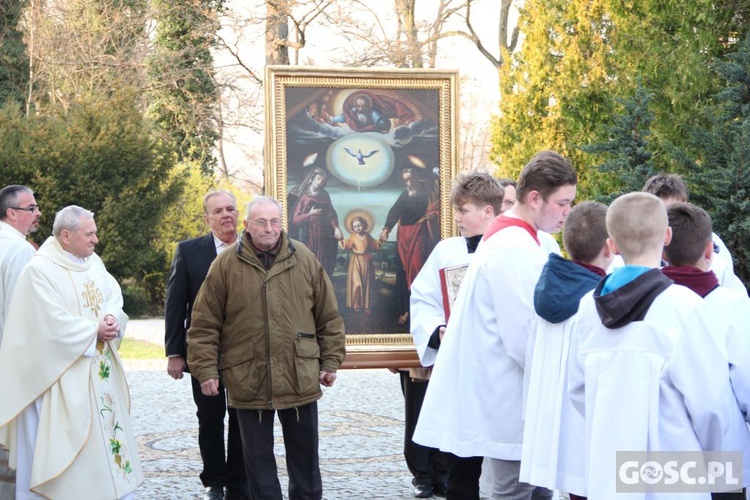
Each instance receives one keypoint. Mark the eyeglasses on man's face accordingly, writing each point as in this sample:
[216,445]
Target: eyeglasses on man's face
[263,223]
[30,208]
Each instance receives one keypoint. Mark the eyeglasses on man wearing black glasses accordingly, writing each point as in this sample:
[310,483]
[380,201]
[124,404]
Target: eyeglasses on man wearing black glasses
[30,208]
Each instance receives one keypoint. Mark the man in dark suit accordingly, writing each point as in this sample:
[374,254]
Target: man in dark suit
[189,268]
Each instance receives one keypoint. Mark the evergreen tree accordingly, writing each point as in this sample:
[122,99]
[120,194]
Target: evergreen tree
[185,97]
[669,46]
[103,156]
[555,90]
[629,161]
[13,138]
[577,56]
[14,63]
[720,174]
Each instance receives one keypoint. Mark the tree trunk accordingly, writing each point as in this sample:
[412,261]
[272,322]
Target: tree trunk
[407,23]
[277,32]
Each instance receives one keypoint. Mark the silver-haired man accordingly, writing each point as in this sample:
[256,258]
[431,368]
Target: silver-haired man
[66,418]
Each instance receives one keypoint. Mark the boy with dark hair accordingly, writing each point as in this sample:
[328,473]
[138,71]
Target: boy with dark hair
[689,255]
[472,408]
[691,235]
[671,188]
[641,358]
[553,451]
[477,198]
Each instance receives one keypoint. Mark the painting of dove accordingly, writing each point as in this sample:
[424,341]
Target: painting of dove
[359,155]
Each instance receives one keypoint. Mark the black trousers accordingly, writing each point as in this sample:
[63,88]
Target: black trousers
[463,479]
[300,429]
[428,465]
[218,471]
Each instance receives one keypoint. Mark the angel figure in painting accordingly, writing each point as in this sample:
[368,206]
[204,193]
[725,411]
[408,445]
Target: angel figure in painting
[361,276]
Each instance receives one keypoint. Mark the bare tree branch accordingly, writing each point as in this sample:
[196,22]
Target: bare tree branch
[234,52]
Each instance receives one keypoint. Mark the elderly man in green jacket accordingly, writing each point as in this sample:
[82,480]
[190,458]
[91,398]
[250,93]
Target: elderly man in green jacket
[266,321]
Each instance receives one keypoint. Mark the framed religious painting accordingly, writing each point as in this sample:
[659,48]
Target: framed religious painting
[362,162]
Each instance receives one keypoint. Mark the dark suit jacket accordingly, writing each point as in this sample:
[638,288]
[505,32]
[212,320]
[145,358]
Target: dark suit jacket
[189,268]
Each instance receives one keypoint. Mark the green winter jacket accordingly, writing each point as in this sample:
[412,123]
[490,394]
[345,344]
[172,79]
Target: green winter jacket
[266,333]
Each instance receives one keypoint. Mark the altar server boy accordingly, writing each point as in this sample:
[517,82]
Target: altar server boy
[690,255]
[644,371]
[473,406]
[553,444]
[477,198]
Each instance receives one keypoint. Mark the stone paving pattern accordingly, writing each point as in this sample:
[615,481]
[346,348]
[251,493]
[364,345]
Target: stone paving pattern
[361,431]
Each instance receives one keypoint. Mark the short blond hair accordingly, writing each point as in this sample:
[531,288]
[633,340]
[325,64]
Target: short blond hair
[637,223]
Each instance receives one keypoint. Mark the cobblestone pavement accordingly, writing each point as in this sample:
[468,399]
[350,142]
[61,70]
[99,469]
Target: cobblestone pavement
[361,431]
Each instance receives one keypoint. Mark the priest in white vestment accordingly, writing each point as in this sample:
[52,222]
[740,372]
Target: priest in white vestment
[65,413]
[19,217]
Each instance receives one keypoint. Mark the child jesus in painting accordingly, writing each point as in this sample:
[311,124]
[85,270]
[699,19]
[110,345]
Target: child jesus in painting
[361,275]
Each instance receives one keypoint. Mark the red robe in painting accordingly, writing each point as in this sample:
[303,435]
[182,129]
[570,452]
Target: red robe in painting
[386,107]
[418,220]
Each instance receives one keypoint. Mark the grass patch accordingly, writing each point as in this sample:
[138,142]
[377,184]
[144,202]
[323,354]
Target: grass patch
[139,349]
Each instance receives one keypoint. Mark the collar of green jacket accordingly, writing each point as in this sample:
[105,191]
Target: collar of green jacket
[246,250]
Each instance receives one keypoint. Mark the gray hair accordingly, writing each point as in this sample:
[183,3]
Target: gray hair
[211,194]
[9,198]
[69,218]
[261,200]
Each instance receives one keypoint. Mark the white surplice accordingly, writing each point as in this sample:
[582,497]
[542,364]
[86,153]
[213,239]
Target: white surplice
[723,266]
[553,450]
[729,313]
[473,404]
[426,304]
[660,384]
[15,253]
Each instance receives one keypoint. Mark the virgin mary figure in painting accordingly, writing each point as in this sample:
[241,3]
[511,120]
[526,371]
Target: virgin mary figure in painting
[314,220]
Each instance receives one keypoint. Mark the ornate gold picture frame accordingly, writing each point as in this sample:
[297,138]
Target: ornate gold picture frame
[362,163]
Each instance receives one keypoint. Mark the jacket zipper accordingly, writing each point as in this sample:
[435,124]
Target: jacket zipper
[268,346]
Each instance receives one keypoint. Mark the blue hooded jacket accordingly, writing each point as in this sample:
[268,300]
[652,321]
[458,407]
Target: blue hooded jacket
[560,288]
